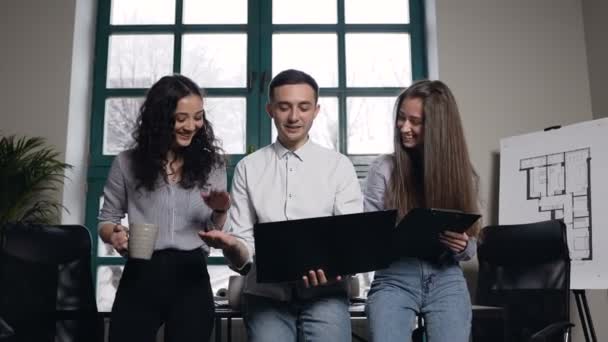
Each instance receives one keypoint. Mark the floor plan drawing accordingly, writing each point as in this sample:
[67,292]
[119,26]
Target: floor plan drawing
[561,185]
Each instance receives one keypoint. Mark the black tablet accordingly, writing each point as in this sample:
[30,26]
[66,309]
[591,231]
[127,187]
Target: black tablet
[438,220]
[417,234]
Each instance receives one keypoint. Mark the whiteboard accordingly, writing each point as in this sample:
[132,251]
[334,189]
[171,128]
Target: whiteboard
[562,174]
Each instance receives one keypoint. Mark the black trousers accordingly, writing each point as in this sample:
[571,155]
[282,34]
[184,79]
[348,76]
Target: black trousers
[172,288]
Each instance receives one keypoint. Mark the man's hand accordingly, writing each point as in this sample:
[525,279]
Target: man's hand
[218,239]
[456,242]
[318,278]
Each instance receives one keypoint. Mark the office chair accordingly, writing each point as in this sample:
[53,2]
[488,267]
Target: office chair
[46,285]
[525,268]
[6,330]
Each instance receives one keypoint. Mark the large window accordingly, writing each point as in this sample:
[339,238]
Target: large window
[361,53]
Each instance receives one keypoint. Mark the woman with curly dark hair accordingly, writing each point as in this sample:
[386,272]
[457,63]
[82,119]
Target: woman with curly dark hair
[174,178]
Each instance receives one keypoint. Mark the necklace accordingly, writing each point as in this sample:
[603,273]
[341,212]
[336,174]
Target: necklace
[173,171]
[172,177]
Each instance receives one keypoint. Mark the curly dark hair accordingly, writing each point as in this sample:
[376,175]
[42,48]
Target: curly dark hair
[155,137]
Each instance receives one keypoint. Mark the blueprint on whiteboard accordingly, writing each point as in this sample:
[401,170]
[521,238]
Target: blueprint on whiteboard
[561,174]
[559,182]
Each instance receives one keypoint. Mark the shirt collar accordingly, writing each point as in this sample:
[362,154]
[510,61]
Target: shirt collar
[301,153]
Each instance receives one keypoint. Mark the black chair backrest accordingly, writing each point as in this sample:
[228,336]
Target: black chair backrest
[46,284]
[525,268]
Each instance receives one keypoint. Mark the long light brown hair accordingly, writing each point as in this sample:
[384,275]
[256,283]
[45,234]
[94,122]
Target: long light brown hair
[438,174]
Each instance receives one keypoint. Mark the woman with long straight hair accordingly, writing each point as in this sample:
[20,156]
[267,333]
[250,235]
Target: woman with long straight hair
[430,168]
[175,178]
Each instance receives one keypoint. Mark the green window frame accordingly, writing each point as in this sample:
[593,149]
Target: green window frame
[259,30]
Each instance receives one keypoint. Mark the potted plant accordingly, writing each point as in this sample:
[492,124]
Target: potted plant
[31,173]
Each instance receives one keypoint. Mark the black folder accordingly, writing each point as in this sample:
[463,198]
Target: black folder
[340,245]
[417,235]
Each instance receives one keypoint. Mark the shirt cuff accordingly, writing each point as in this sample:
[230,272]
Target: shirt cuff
[468,252]
[246,266]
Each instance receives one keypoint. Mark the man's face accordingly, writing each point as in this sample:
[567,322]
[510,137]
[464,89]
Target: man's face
[293,109]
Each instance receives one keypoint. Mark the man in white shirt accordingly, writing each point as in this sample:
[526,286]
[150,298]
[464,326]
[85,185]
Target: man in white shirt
[293,178]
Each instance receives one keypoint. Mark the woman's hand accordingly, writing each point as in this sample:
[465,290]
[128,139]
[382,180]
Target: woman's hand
[120,239]
[456,242]
[217,200]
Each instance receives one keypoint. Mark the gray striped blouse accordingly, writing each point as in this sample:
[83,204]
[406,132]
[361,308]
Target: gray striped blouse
[180,213]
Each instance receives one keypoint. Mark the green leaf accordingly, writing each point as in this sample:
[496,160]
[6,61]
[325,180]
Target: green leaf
[31,173]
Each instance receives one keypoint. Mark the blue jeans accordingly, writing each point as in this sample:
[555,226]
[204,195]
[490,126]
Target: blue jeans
[305,320]
[411,286]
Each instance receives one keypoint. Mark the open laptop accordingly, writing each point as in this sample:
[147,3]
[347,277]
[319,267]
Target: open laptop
[340,245]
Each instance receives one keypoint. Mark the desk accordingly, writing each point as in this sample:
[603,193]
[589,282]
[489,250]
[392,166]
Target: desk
[481,315]
[227,313]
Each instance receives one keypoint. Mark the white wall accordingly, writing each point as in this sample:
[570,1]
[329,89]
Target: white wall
[515,66]
[36,41]
[595,13]
[45,71]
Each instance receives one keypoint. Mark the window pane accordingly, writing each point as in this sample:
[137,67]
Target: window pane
[229,120]
[215,252]
[137,61]
[315,54]
[108,278]
[106,250]
[370,124]
[378,60]
[215,60]
[381,12]
[137,12]
[324,130]
[120,118]
[304,12]
[215,12]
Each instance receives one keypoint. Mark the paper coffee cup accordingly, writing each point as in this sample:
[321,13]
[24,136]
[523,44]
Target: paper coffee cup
[142,237]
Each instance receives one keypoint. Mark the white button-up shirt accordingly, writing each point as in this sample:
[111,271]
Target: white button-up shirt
[276,184]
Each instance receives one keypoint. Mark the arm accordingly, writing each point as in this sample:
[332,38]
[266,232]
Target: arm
[375,187]
[114,208]
[461,246]
[349,199]
[217,199]
[236,244]
[469,252]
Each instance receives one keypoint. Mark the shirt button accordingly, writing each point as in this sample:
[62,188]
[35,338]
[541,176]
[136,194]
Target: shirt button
[289,195]
[290,169]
